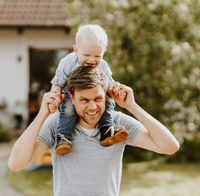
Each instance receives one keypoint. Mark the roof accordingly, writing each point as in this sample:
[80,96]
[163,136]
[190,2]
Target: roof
[33,13]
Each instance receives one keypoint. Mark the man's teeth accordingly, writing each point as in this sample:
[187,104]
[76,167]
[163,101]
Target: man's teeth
[91,113]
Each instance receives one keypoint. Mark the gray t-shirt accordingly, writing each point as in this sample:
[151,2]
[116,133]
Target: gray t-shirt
[69,63]
[89,169]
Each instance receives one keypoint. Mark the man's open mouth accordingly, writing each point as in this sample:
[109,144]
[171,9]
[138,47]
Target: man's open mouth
[92,113]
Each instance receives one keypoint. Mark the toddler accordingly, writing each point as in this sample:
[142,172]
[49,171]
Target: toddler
[91,42]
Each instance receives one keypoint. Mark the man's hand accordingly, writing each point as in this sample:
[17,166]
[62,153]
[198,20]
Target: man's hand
[123,95]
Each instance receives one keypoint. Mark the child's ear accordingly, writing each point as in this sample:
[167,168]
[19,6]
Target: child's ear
[74,47]
[104,50]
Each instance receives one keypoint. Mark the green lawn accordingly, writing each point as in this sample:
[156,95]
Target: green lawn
[154,179]
[35,183]
[146,179]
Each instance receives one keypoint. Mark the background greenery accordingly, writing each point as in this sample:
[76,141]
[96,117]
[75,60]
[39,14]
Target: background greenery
[6,134]
[144,178]
[154,48]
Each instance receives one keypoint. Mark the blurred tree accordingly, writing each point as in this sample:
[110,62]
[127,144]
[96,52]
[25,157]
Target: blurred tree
[154,48]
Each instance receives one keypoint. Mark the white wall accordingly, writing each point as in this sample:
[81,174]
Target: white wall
[14,74]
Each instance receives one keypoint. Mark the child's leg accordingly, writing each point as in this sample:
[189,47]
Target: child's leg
[67,122]
[107,119]
[110,134]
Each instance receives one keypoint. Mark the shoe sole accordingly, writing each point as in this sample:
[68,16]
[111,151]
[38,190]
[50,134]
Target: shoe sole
[63,149]
[118,137]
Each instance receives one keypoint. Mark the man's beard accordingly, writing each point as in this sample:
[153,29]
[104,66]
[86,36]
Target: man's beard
[89,121]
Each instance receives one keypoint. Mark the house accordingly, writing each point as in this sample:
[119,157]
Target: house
[28,28]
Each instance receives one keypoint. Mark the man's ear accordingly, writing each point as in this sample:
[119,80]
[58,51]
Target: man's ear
[71,97]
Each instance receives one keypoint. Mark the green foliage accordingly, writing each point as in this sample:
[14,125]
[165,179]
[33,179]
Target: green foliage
[188,153]
[137,155]
[5,134]
[154,48]
[146,178]
[32,183]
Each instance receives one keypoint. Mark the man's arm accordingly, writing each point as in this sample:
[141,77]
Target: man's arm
[27,148]
[155,136]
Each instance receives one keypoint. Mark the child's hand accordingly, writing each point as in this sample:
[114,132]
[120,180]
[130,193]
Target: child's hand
[52,108]
[122,94]
[58,98]
[119,92]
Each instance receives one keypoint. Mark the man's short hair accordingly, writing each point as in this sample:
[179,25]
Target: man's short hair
[92,32]
[86,77]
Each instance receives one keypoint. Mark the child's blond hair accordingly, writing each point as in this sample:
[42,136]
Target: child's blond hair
[90,33]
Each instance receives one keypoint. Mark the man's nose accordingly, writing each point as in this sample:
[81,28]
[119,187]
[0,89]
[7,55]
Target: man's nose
[92,105]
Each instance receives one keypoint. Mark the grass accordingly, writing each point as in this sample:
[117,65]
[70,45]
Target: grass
[146,179]
[32,183]
[159,179]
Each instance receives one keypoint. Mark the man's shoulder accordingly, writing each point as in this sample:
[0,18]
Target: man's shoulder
[124,119]
[132,125]
[116,116]
[52,121]
[48,130]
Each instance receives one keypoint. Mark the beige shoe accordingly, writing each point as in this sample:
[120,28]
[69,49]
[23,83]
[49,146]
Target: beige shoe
[63,144]
[113,135]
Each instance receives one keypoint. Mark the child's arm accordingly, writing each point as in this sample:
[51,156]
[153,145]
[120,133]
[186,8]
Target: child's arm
[62,72]
[112,83]
[56,89]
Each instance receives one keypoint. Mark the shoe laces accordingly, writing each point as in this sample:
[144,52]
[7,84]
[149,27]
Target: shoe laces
[113,129]
[64,139]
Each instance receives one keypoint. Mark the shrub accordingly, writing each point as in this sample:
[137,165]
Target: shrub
[5,134]
[138,155]
[189,151]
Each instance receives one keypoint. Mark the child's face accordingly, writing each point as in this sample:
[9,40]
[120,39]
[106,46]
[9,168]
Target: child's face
[89,54]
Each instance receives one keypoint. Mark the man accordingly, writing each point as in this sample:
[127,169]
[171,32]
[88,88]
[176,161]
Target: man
[90,169]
